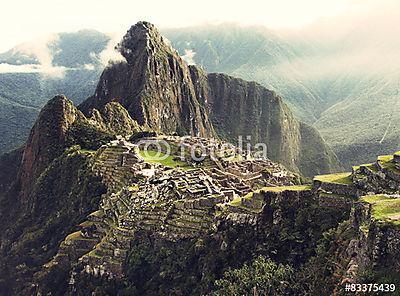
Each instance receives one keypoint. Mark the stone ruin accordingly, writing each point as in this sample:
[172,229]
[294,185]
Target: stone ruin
[174,203]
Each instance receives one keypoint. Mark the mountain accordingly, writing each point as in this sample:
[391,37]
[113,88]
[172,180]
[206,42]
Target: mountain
[337,80]
[104,199]
[161,92]
[253,53]
[342,79]
[154,85]
[32,72]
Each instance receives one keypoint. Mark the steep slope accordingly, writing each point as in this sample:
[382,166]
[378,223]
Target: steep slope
[59,125]
[154,85]
[48,187]
[163,93]
[366,122]
[46,140]
[253,53]
[32,72]
[246,109]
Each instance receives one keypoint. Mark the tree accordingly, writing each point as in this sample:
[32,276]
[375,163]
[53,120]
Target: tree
[262,277]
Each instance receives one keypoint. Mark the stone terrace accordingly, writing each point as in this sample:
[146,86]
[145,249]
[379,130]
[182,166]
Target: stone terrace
[174,203]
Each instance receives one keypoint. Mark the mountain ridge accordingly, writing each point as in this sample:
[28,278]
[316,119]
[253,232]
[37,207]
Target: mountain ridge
[161,92]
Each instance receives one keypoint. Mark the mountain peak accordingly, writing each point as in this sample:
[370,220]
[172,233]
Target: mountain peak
[141,36]
[155,86]
[46,139]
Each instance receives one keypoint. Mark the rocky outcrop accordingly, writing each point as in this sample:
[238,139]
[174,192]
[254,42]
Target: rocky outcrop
[154,85]
[161,92]
[61,124]
[247,109]
[46,140]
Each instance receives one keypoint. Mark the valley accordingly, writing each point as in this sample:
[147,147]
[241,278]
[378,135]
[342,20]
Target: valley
[134,179]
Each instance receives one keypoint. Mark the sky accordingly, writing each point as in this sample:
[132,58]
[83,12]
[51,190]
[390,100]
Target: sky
[24,20]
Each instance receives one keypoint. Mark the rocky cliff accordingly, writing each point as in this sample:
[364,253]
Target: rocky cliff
[241,108]
[59,125]
[108,217]
[46,140]
[161,92]
[154,85]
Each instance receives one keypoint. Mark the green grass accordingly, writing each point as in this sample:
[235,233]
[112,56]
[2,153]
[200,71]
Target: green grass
[153,156]
[98,213]
[385,158]
[370,166]
[74,236]
[236,202]
[384,208]
[340,178]
[87,151]
[386,162]
[287,188]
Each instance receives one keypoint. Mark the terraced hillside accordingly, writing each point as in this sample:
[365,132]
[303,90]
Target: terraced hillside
[176,199]
[188,209]
[173,199]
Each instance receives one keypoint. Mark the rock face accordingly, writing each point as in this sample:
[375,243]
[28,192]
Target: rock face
[161,92]
[154,85]
[46,140]
[241,108]
[60,124]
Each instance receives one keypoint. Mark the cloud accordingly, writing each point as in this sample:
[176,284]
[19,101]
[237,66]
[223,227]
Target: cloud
[47,72]
[41,50]
[361,43]
[188,57]
[89,67]
[27,68]
[110,54]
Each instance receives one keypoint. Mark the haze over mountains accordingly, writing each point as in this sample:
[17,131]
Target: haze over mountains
[87,210]
[345,84]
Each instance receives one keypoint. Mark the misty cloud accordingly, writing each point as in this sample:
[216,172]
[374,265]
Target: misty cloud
[110,54]
[359,43]
[47,72]
[89,67]
[39,49]
[188,57]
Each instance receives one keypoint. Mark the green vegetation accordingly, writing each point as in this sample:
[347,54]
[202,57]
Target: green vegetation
[87,135]
[340,178]
[387,163]
[385,158]
[236,202]
[73,236]
[153,156]
[287,188]
[384,208]
[64,194]
[369,166]
[88,151]
[261,277]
